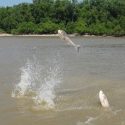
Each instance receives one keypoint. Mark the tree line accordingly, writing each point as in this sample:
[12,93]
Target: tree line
[98,17]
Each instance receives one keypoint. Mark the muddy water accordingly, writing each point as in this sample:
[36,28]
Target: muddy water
[45,82]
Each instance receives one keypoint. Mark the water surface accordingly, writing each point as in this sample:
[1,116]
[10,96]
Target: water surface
[45,82]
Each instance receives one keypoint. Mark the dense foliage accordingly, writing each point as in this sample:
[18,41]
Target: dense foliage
[46,16]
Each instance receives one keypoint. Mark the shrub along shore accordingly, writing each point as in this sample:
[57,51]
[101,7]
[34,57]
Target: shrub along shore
[91,17]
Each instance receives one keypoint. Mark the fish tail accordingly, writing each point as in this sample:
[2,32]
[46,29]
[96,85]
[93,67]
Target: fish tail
[77,47]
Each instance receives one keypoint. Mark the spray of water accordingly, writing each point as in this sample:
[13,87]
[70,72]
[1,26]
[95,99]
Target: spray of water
[46,93]
[39,82]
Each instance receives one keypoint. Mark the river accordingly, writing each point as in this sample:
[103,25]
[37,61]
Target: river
[43,81]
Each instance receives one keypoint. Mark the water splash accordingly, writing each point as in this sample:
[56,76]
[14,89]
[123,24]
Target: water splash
[30,74]
[46,93]
[39,82]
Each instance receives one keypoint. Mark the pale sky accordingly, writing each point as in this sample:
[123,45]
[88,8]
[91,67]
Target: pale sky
[4,3]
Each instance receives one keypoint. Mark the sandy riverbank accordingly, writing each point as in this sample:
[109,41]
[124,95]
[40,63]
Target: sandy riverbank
[52,35]
[5,34]
[34,35]
[44,35]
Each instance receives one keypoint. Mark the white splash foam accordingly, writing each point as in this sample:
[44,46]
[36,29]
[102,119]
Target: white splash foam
[30,74]
[40,81]
[90,119]
[46,93]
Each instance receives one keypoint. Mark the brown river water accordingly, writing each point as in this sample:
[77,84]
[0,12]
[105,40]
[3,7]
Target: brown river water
[43,81]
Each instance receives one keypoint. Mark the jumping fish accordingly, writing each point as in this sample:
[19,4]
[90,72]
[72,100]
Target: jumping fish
[103,99]
[63,35]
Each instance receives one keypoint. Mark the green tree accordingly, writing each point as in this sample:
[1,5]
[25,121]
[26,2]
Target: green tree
[81,26]
[25,28]
[47,27]
[47,16]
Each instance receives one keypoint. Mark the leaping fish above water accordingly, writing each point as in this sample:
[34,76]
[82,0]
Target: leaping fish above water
[63,35]
[103,99]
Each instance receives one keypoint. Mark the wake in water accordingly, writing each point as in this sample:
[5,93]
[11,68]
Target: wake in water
[39,83]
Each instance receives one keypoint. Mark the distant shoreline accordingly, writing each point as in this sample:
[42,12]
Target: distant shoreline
[54,35]
[42,35]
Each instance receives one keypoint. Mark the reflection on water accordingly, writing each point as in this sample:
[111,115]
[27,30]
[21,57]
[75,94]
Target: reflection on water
[44,81]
